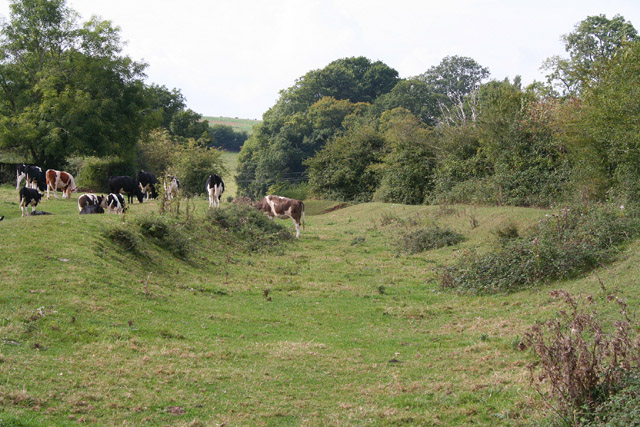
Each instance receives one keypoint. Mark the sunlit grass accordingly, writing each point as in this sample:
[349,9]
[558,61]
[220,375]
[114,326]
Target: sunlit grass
[334,328]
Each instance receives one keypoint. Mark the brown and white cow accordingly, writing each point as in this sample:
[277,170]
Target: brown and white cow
[60,180]
[283,207]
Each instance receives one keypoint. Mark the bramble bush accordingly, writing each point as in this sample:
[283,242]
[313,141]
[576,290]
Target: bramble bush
[562,245]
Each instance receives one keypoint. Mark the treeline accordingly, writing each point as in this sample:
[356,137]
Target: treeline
[68,96]
[355,131]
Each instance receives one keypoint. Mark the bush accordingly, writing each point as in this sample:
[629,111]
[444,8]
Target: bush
[124,237]
[250,227]
[582,368]
[166,234]
[193,166]
[428,238]
[94,172]
[622,408]
[561,246]
[298,191]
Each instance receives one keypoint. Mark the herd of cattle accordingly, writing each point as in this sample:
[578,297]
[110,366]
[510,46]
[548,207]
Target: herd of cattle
[142,186]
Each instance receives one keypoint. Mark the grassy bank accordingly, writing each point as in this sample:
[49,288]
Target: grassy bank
[335,328]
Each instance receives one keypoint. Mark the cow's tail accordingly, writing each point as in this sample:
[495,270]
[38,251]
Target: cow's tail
[302,216]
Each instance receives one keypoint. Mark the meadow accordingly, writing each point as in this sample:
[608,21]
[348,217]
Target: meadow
[336,328]
[236,123]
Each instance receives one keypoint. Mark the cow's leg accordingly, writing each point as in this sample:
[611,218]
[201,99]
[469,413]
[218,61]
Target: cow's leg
[297,224]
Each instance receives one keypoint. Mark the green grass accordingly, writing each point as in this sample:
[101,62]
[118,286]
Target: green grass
[231,163]
[334,328]
[236,123]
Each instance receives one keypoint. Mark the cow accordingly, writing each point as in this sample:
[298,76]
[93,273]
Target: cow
[126,185]
[283,207]
[90,199]
[29,197]
[171,186]
[92,209]
[215,188]
[32,175]
[115,203]
[35,178]
[60,180]
[147,182]
[20,174]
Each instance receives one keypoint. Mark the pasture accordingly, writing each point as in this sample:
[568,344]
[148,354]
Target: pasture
[335,328]
[236,123]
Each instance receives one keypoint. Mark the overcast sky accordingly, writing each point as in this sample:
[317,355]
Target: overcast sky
[232,57]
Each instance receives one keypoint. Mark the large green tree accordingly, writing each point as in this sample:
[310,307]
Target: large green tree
[66,88]
[455,83]
[592,42]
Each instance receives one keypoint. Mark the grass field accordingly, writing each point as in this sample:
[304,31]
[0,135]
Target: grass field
[236,123]
[336,328]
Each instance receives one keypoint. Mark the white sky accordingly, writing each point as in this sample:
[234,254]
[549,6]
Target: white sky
[232,57]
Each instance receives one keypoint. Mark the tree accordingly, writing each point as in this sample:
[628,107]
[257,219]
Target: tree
[66,89]
[165,103]
[455,81]
[189,124]
[225,137]
[406,172]
[593,41]
[414,95]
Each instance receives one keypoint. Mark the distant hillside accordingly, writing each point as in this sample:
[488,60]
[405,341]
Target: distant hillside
[236,123]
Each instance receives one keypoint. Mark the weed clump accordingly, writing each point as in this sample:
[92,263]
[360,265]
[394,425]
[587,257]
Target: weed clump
[562,245]
[588,376]
[428,238]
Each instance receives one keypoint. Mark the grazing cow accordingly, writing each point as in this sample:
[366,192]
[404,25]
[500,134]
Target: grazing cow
[171,186]
[90,199]
[92,209]
[147,182]
[283,207]
[60,180]
[126,185]
[115,203]
[215,188]
[29,197]
[35,178]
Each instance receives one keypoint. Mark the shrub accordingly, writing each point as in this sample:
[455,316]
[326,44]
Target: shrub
[584,366]
[562,245]
[165,233]
[251,228]
[193,166]
[124,237]
[623,407]
[428,238]
[94,172]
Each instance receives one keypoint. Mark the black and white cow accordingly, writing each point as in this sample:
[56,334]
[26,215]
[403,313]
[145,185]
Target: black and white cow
[171,186]
[33,176]
[215,188]
[147,182]
[126,185]
[29,197]
[20,174]
[115,203]
[36,178]
[92,209]
[283,207]
[90,199]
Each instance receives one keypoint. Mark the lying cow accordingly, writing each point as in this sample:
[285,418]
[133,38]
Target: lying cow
[92,209]
[215,188]
[90,199]
[60,180]
[283,207]
[126,185]
[147,182]
[171,186]
[115,203]
[29,197]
